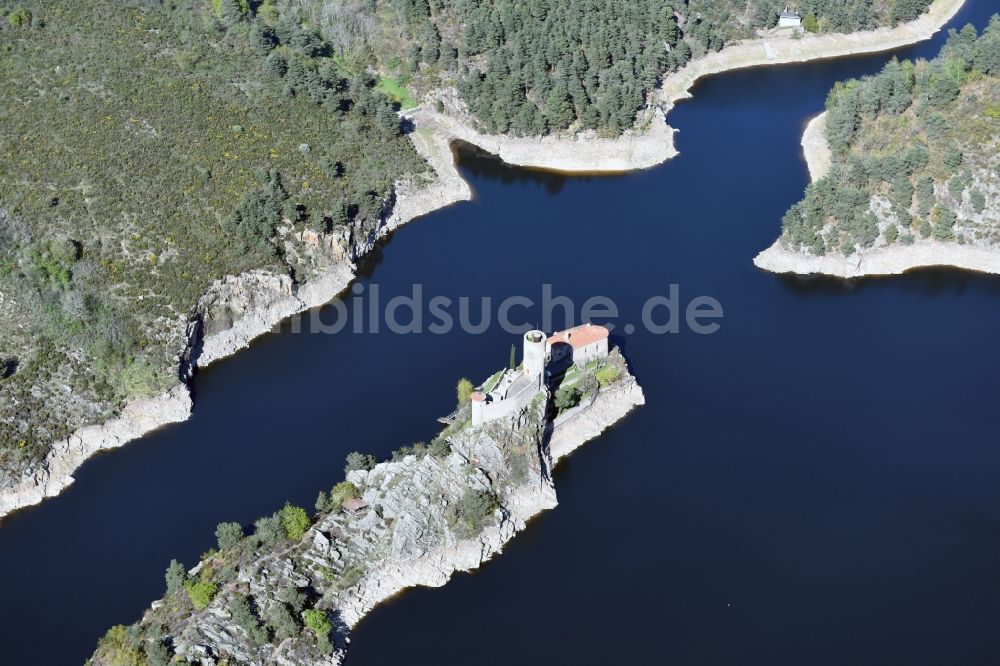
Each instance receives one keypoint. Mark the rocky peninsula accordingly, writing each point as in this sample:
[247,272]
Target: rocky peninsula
[970,194]
[884,260]
[290,592]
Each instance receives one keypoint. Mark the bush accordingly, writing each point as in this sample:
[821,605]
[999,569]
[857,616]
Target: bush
[357,461]
[19,17]
[228,535]
[607,375]
[418,449]
[120,647]
[269,531]
[471,511]
[318,621]
[439,447]
[201,592]
[340,493]
[295,521]
[464,390]
[978,200]
[567,398]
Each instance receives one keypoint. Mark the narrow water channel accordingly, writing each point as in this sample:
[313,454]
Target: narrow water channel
[814,483]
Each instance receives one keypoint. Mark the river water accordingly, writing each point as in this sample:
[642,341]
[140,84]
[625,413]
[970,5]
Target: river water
[815,483]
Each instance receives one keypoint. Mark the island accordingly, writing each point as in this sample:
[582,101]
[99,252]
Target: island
[904,169]
[290,591]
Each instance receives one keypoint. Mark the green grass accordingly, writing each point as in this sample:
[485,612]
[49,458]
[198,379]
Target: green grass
[396,91]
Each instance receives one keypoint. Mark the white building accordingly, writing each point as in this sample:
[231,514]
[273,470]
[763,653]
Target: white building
[580,344]
[789,19]
[515,388]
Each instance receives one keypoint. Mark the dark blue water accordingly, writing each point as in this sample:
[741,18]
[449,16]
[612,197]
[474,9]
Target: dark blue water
[816,483]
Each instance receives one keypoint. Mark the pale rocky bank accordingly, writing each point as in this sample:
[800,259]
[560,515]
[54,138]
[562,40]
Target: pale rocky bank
[652,141]
[233,312]
[408,524]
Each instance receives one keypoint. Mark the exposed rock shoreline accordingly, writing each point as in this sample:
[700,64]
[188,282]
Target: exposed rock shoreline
[885,260]
[436,568]
[405,534]
[253,303]
[257,301]
[645,148]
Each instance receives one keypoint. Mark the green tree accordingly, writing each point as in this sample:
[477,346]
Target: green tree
[357,460]
[269,531]
[891,233]
[810,23]
[175,576]
[318,621]
[295,520]
[558,109]
[513,358]
[567,398]
[228,535]
[464,390]
[978,200]
[246,617]
[282,622]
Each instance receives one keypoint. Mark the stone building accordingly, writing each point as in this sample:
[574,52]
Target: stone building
[542,358]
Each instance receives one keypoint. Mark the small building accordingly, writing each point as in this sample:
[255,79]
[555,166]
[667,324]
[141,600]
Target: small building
[789,19]
[355,504]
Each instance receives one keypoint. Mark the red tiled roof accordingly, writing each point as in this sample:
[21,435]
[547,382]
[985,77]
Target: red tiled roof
[581,336]
[478,396]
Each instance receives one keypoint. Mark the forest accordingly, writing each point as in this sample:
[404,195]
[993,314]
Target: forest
[913,154]
[147,149]
[530,68]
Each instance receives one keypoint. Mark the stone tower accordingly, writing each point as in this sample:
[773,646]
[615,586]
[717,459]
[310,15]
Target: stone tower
[534,355]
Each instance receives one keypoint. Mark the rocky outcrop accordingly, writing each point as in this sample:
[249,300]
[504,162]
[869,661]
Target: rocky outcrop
[815,149]
[638,148]
[891,260]
[412,524]
[54,474]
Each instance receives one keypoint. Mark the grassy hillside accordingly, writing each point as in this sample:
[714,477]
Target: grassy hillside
[147,149]
[915,155]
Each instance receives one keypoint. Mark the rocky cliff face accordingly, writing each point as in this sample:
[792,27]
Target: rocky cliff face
[412,521]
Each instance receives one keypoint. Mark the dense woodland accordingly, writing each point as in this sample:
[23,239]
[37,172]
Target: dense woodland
[914,154]
[530,68]
[147,149]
